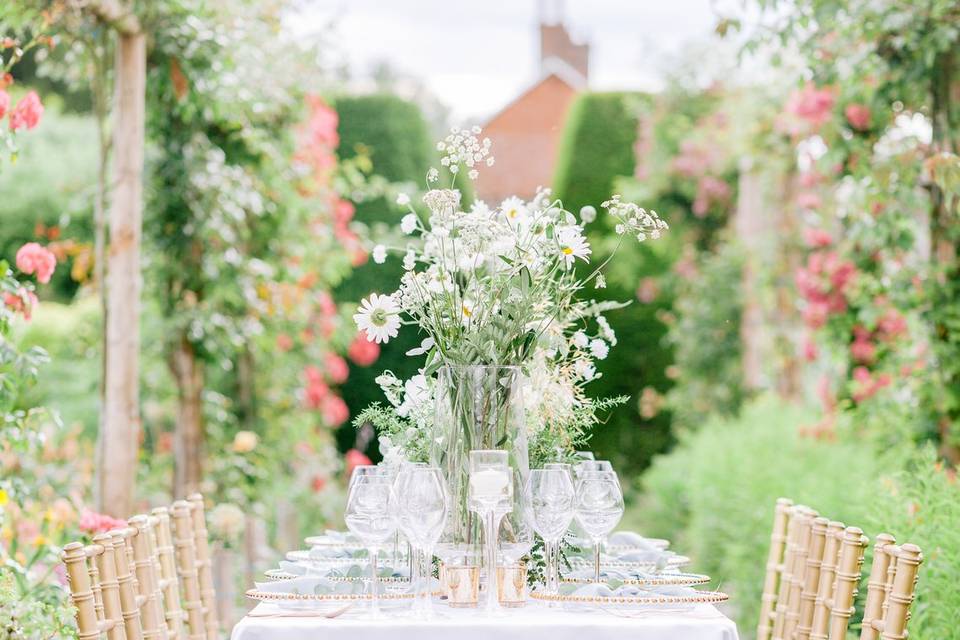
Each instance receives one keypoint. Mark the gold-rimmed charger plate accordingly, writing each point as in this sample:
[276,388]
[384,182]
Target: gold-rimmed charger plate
[697,597]
[279,574]
[656,580]
[673,562]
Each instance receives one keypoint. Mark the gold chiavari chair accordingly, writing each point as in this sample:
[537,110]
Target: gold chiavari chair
[890,589]
[184,544]
[813,570]
[208,594]
[94,589]
[152,580]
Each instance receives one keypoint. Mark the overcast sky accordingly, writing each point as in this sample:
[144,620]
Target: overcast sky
[476,55]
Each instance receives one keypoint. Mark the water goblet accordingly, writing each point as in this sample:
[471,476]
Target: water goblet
[370,516]
[552,497]
[490,496]
[421,506]
[598,508]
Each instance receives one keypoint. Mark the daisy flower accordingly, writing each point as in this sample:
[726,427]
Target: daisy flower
[378,317]
[572,245]
[513,210]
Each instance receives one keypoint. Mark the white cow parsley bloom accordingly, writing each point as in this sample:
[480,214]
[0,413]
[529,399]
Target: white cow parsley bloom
[403,199]
[408,223]
[410,260]
[599,349]
[379,254]
[378,317]
[588,214]
[580,339]
[572,245]
[584,369]
[606,331]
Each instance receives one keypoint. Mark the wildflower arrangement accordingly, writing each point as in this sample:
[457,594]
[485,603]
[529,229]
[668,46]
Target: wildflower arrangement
[496,286]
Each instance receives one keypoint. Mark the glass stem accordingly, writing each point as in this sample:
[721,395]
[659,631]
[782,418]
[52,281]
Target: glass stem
[426,575]
[551,549]
[493,595]
[374,584]
[596,560]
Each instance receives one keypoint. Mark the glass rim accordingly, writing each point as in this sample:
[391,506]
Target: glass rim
[512,367]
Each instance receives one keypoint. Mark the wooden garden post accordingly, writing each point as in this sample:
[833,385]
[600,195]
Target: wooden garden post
[119,436]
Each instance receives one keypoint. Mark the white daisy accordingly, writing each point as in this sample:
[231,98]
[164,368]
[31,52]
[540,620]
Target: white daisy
[378,317]
[408,223]
[599,348]
[572,245]
[379,254]
[514,210]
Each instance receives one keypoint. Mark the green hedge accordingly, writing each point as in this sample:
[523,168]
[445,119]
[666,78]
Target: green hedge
[393,133]
[713,496]
[596,149]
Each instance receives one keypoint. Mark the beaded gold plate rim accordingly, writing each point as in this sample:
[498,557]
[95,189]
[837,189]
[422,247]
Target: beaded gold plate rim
[254,594]
[317,541]
[673,562]
[277,575]
[699,597]
[659,543]
[660,580]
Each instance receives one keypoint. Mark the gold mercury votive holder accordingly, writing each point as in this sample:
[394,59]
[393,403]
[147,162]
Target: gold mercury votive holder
[512,584]
[461,584]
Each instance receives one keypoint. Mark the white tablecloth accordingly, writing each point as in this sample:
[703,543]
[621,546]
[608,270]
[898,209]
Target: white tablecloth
[533,622]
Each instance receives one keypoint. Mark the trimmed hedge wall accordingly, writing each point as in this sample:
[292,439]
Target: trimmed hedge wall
[393,133]
[596,149]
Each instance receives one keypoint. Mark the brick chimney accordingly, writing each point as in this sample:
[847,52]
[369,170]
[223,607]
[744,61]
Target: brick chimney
[555,44]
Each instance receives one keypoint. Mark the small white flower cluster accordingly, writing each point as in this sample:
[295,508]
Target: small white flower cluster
[412,400]
[635,220]
[463,147]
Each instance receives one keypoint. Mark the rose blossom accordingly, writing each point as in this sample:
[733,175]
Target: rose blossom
[355,458]
[27,112]
[335,411]
[93,522]
[858,115]
[817,238]
[316,389]
[32,258]
[284,342]
[362,351]
[23,301]
[337,369]
[863,351]
[4,102]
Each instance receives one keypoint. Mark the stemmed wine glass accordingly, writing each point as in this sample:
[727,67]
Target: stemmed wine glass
[552,497]
[421,503]
[370,516]
[491,496]
[598,508]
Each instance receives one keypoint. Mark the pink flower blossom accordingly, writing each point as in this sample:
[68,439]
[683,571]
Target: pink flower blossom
[92,522]
[337,369]
[335,410]
[316,389]
[27,113]
[648,290]
[284,342]
[362,351]
[23,301]
[815,315]
[355,458]
[32,258]
[709,191]
[892,325]
[817,238]
[811,104]
[863,351]
[808,200]
[810,352]
[858,115]
[343,211]
[4,102]
[809,179]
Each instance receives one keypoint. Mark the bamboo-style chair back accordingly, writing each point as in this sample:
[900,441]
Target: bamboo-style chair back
[152,580]
[890,589]
[813,569]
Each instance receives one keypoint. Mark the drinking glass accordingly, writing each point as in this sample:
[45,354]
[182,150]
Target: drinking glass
[490,496]
[364,470]
[598,508]
[421,504]
[585,466]
[552,497]
[370,516]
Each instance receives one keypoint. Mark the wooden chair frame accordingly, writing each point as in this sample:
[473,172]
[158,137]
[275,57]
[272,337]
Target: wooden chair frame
[890,589]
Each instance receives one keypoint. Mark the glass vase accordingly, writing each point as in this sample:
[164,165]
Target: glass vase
[478,407]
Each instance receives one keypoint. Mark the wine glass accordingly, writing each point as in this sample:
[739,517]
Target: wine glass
[585,466]
[552,498]
[598,508]
[370,516]
[364,470]
[421,503]
[490,496]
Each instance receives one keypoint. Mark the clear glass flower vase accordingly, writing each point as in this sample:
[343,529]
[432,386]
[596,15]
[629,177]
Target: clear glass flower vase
[478,407]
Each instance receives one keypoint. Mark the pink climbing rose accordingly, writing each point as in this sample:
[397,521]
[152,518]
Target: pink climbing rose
[27,112]
[4,103]
[858,115]
[33,258]
[93,522]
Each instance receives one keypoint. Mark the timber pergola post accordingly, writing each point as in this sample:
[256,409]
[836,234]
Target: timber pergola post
[118,442]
